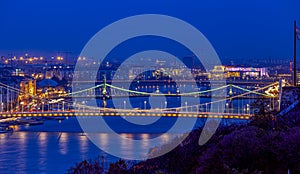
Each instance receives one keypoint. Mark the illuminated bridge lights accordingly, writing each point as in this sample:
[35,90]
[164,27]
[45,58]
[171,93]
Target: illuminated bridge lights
[133,114]
[176,112]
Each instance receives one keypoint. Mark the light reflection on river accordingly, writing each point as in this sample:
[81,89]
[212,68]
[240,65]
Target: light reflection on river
[56,146]
[55,152]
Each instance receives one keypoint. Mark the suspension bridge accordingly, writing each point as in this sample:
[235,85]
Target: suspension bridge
[238,102]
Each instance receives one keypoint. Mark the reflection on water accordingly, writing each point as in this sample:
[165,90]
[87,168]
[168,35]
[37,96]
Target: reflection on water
[165,138]
[55,152]
[33,150]
[83,140]
[145,143]
[42,149]
[62,142]
[104,138]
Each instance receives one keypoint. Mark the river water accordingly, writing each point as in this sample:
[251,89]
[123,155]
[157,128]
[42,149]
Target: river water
[56,145]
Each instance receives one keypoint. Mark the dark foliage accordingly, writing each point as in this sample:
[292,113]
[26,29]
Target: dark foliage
[119,167]
[88,167]
[268,145]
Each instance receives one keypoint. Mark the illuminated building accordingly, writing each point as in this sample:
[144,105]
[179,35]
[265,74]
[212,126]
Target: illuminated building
[28,86]
[18,72]
[244,72]
[50,88]
[218,73]
[54,72]
[298,78]
[238,72]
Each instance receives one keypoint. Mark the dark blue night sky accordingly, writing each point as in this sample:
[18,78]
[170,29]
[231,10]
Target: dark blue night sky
[237,29]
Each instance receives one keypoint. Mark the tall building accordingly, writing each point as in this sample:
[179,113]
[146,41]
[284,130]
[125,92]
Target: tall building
[28,86]
[298,77]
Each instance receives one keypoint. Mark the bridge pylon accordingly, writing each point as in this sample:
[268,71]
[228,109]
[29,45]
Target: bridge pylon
[230,95]
[104,92]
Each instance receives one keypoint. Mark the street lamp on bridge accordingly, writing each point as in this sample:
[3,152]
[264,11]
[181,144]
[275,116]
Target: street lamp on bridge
[186,108]
[43,106]
[2,106]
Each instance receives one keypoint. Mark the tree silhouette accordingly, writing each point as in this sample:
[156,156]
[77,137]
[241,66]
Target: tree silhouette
[263,115]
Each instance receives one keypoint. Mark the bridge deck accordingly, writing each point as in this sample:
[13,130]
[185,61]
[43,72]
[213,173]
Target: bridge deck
[133,114]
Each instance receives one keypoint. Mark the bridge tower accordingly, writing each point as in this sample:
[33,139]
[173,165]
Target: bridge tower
[230,95]
[104,92]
